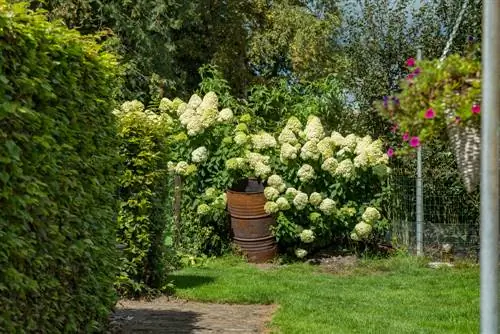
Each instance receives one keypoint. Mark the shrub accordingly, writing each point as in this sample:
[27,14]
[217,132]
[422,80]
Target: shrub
[57,177]
[144,190]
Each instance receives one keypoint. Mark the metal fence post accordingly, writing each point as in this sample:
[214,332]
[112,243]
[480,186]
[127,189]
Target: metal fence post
[419,194]
[489,166]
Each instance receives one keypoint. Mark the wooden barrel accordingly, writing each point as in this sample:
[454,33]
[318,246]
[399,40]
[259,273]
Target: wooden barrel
[251,225]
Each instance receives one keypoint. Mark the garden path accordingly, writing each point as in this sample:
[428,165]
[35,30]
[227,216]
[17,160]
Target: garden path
[164,315]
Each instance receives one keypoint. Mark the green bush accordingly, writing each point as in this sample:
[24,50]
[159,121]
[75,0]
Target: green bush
[57,177]
[144,190]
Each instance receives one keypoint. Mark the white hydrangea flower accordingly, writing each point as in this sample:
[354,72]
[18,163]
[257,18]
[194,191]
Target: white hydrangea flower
[355,237]
[371,215]
[288,152]
[199,155]
[301,200]
[382,160]
[361,161]
[330,165]
[203,209]
[187,116]
[210,101]
[210,192]
[345,168]
[194,127]
[274,180]
[363,230]
[240,138]
[350,142]
[209,117]
[307,236]
[281,188]
[271,207]
[287,136]
[242,127]
[262,170]
[294,125]
[306,173]
[315,199]
[327,206]
[254,158]
[220,202]
[263,140]
[271,193]
[181,109]
[325,147]
[132,106]
[362,144]
[283,204]
[171,167]
[236,163]
[337,139]
[225,115]
[314,128]
[291,192]
[310,150]
[165,105]
[300,253]
[181,167]
[343,153]
[195,101]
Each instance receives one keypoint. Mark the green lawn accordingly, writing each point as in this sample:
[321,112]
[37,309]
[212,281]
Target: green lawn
[398,295]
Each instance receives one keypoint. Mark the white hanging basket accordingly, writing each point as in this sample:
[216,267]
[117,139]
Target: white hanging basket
[466,145]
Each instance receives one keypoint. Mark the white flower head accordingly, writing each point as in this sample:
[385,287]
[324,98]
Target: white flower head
[210,101]
[350,142]
[242,127]
[327,206]
[275,180]
[181,167]
[310,150]
[315,199]
[165,105]
[288,152]
[271,193]
[345,168]
[263,140]
[271,207]
[363,230]
[225,115]
[300,201]
[290,193]
[371,215]
[361,161]
[262,170]
[208,117]
[314,128]
[307,236]
[182,108]
[199,155]
[330,165]
[236,163]
[203,209]
[132,106]
[283,203]
[240,138]
[294,125]
[300,253]
[195,101]
[337,138]
[355,237]
[287,136]
[210,192]
[194,127]
[306,173]
[362,144]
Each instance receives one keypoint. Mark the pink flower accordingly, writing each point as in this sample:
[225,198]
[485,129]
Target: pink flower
[390,152]
[414,142]
[416,71]
[410,76]
[429,114]
[476,109]
[406,136]
[410,62]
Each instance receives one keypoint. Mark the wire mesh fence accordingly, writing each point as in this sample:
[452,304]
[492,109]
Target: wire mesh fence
[451,215]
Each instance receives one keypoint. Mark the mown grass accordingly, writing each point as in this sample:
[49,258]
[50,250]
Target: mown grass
[397,295]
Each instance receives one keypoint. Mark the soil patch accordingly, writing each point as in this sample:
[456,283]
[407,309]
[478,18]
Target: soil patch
[164,315]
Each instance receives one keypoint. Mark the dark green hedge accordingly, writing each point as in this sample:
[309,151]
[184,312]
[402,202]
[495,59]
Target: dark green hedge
[57,177]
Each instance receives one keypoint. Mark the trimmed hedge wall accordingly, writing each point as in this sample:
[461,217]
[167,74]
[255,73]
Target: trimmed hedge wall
[58,158]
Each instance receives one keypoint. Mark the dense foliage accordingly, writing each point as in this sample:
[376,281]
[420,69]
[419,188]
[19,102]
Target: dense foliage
[57,177]
[144,190]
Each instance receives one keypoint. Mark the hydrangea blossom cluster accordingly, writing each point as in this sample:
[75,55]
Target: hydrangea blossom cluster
[307,236]
[181,168]
[283,204]
[288,152]
[300,253]
[345,169]
[199,114]
[314,129]
[262,141]
[371,215]
[271,193]
[259,164]
[327,206]
[315,199]
[300,200]
[310,150]
[306,173]
[362,230]
[199,155]
[271,207]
